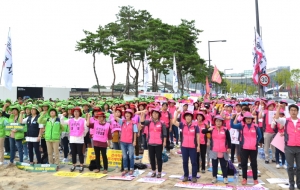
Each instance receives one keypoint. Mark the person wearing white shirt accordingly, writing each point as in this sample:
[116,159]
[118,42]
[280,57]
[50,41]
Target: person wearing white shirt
[78,130]
[34,132]
[292,142]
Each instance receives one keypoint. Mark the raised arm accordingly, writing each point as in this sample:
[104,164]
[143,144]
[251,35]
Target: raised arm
[175,122]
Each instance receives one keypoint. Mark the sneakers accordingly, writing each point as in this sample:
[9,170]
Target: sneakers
[244,182]
[203,171]
[277,166]
[1,163]
[225,180]
[214,180]
[65,160]
[255,182]
[194,180]
[185,179]
[72,169]
[25,158]
[81,168]
[284,166]
[273,161]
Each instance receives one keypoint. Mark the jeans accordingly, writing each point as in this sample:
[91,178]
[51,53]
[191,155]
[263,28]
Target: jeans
[12,143]
[35,146]
[223,164]
[104,157]
[292,154]
[6,145]
[65,142]
[277,156]
[116,146]
[186,154]
[244,162]
[25,148]
[174,133]
[127,153]
[155,153]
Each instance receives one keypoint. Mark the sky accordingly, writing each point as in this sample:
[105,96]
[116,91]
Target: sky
[44,35]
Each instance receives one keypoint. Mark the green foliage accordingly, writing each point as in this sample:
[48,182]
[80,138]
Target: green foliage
[283,77]
[295,76]
[101,87]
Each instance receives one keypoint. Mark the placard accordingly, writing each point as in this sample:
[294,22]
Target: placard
[234,135]
[160,98]
[145,159]
[66,174]
[216,186]
[277,180]
[151,180]
[271,116]
[189,185]
[36,167]
[93,175]
[114,157]
[123,178]
[278,142]
[14,126]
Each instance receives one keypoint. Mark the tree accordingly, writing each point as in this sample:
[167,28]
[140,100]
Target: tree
[295,76]
[94,43]
[100,86]
[283,77]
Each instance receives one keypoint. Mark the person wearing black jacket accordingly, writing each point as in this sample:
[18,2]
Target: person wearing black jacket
[34,133]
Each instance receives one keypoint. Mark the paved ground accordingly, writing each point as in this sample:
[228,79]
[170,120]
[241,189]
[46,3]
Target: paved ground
[14,178]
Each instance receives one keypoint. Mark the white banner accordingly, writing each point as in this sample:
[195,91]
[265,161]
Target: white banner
[175,77]
[271,116]
[8,64]
[151,180]
[189,185]
[146,73]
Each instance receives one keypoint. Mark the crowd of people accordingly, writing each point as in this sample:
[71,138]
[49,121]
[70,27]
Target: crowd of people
[201,129]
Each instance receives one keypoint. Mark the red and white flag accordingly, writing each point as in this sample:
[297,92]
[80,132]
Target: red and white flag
[207,89]
[259,58]
[216,77]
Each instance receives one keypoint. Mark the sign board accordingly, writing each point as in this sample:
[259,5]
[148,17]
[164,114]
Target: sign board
[114,157]
[264,79]
[37,167]
[14,126]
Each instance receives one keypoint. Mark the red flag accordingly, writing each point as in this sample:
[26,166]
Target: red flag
[207,88]
[216,77]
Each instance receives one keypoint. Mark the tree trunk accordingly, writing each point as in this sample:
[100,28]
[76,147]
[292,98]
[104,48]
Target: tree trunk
[165,83]
[94,67]
[114,80]
[136,79]
[153,88]
[156,80]
[127,80]
[180,81]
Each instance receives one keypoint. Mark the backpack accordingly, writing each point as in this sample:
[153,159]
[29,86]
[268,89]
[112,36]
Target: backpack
[165,157]
[231,169]
[92,165]
[140,166]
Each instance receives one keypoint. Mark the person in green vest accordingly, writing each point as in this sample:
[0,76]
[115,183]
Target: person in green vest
[6,141]
[15,137]
[53,129]
[2,136]
[44,114]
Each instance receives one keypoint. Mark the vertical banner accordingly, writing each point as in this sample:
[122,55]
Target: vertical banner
[7,67]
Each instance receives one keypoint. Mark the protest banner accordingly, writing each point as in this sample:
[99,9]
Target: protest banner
[151,180]
[234,135]
[66,174]
[114,157]
[93,175]
[123,178]
[14,126]
[36,167]
[278,142]
[189,185]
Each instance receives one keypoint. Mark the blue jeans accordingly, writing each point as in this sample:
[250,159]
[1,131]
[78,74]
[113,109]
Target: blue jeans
[127,152]
[277,156]
[192,154]
[174,133]
[25,148]
[12,144]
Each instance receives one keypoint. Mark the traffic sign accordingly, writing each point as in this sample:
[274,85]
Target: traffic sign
[264,79]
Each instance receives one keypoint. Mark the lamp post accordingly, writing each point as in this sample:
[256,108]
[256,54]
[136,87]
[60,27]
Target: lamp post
[209,73]
[225,74]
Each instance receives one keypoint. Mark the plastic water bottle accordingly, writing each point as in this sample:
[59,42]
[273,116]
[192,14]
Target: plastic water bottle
[136,173]
[117,168]
[236,177]
[165,151]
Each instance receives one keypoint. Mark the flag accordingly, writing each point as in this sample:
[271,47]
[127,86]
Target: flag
[146,73]
[175,78]
[259,58]
[207,88]
[216,77]
[7,67]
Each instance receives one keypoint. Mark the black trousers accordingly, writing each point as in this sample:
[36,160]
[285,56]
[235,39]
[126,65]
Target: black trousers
[6,145]
[168,139]
[232,152]
[224,165]
[104,157]
[137,146]
[77,149]
[35,146]
[244,162]
[65,142]
[45,150]
[155,152]
[202,153]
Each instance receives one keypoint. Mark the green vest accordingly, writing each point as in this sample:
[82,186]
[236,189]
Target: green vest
[2,127]
[18,135]
[52,130]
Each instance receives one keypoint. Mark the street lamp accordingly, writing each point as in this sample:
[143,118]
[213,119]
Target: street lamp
[209,55]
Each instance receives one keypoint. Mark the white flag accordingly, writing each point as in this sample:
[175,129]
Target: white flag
[175,78]
[259,58]
[8,64]
[146,73]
